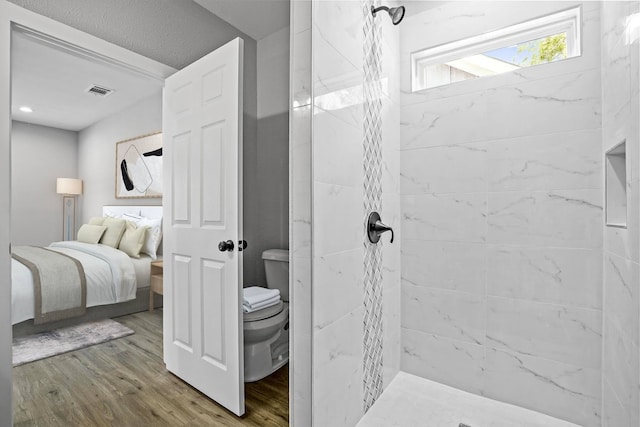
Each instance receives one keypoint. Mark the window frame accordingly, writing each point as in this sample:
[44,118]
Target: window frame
[566,21]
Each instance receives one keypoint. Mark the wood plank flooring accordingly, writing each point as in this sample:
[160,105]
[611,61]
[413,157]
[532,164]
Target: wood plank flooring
[124,383]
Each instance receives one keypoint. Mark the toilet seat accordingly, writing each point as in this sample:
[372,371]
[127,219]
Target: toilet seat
[264,313]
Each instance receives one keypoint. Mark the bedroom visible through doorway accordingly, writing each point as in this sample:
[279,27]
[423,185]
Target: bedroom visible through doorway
[91,134]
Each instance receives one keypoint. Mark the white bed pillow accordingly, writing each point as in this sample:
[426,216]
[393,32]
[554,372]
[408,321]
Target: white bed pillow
[96,220]
[115,230]
[133,239]
[109,214]
[153,235]
[89,233]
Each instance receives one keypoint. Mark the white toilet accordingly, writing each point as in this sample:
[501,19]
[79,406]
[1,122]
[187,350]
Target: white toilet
[266,331]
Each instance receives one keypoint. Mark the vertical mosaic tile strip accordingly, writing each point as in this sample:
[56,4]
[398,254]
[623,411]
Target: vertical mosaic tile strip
[372,161]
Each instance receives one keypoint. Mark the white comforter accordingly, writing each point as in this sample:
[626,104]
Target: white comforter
[110,276]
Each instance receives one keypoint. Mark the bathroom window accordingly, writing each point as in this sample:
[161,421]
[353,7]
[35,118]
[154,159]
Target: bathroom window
[548,39]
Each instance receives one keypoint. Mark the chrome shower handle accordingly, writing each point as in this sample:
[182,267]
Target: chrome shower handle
[375,227]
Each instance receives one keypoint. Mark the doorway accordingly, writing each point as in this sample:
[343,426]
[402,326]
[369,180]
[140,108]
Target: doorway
[57,31]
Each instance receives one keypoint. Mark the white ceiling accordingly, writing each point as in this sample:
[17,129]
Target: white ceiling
[52,81]
[256,18]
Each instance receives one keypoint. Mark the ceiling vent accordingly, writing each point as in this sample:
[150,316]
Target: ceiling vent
[99,91]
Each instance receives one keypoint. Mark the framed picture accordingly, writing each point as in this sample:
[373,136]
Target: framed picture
[139,167]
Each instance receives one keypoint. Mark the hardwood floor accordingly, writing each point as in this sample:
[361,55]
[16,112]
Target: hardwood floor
[124,383]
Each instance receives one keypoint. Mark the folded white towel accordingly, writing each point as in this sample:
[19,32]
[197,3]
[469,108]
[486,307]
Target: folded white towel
[259,306]
[265,303]
[257,294]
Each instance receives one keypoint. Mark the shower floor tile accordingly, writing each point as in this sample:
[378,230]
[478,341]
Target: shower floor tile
[411,401]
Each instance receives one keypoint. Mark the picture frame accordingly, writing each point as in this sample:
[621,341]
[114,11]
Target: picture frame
[139,167]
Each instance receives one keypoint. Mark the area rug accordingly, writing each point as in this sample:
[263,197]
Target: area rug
[46,344]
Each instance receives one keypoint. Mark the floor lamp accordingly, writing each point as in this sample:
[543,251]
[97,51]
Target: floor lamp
[69,188]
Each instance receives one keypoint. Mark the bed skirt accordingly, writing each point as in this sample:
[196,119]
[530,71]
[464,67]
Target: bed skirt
[141,303]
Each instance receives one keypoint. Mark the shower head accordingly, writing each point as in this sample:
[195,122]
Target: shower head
[395,13]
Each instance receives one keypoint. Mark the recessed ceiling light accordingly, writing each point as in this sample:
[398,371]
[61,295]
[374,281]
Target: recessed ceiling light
[26,109]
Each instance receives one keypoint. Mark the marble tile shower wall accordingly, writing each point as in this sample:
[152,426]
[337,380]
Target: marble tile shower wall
[620,365]
[391,208]
[337,214]
[300,212]
[502,212]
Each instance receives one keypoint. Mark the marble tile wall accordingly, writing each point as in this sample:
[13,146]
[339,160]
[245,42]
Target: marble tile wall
[337,210]
[300,377]
[502,212]
[391,213]
[372,168]
[620,364]
[500,184]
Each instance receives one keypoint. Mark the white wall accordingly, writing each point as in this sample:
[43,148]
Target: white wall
[502,220]
[39,155]
[97,154]
[6,387]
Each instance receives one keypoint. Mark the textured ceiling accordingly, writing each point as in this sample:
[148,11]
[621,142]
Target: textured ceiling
[173,32]
[257,18]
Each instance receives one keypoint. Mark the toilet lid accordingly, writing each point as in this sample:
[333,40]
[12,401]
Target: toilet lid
[265,313]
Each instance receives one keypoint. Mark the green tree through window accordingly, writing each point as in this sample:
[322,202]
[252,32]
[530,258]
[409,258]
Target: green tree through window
[544,50]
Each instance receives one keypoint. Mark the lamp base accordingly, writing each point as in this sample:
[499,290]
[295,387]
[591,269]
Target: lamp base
[68,218]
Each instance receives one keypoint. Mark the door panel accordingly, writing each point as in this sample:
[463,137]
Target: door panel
[213,296]
[203,342]
[213,176]
[182,303]
[180,181]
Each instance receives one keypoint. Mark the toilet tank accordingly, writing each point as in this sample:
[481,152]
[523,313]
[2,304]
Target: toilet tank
[276,267]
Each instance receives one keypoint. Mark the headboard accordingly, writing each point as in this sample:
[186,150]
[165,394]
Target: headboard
[151,212]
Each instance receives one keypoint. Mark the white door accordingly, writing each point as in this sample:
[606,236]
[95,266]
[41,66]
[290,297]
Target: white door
[202,126]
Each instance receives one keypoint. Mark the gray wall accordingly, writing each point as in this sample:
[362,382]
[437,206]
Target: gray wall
[97,152]
[36,208]
[268,201]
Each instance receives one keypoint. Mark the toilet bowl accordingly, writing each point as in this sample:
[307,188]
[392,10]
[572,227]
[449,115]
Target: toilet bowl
[266,331]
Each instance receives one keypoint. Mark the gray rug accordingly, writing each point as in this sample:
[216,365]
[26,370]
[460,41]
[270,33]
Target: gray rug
[46,344]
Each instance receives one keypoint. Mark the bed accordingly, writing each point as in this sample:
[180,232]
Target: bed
[116,283]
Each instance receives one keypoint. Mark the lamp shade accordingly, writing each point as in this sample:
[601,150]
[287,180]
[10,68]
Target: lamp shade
[69,186]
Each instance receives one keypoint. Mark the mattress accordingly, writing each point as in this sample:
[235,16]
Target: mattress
[142,267]
[110,273]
